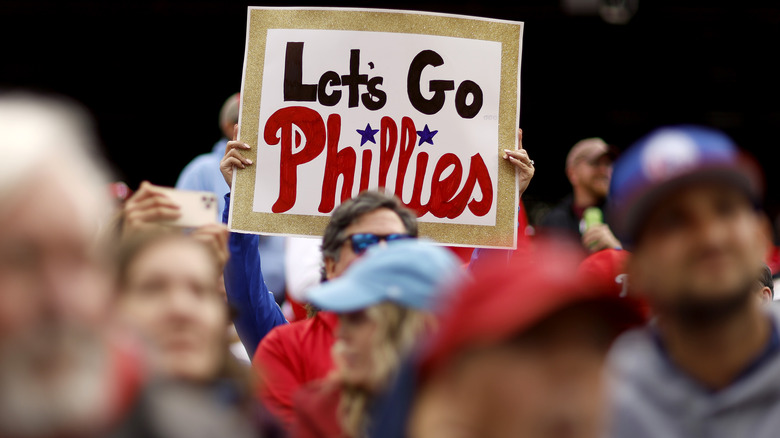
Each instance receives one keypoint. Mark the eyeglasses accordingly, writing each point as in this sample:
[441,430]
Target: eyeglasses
[362,241]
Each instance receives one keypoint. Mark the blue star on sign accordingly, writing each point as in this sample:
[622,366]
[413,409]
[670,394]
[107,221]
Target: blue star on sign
[426,136]
[367,134]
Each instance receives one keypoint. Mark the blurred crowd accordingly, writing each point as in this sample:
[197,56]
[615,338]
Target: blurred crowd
[639,306]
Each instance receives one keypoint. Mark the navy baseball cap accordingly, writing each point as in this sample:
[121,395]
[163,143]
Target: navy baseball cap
[412,272]
[669,158]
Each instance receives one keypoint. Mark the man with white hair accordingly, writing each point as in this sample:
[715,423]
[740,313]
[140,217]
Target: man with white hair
[53,285]
[64,369]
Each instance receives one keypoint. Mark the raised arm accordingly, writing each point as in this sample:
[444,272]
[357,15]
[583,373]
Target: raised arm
[257,311]
[524,166]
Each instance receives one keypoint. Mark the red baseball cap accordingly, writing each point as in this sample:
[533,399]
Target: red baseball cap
[505,300]
[607,270]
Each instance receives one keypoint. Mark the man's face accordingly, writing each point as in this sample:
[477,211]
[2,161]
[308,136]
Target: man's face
[703,243]
[592,175]
[50,274]
[53,298]
[381,222]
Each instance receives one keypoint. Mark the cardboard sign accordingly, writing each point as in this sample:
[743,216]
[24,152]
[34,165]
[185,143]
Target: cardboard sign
[422,105]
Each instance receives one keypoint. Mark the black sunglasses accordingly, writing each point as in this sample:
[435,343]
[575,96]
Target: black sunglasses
[362,241]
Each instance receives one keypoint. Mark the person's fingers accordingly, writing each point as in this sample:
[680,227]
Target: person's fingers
[151,201]
[148,194]
[140,221]
[149,188]
[598,237]
[520,156]
[516,153]
[233,158]
[523,165]
[222,231]
[520,153]
[590,234]
[216,237]
[519,145]
[235,145]
[591,243]
[155,208]
[214,234]
[153,214]
[231,162]
[520,163]
[205,235]
[519,138]
[145,190]
[603,237]
[234,153]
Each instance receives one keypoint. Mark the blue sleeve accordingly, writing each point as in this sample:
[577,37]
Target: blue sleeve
[257,311]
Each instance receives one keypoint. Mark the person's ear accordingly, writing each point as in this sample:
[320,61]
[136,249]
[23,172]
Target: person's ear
[570,174]
[766,294]
[227,129]
[330,268]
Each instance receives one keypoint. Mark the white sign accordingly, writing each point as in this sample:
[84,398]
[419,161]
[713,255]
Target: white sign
[411,105]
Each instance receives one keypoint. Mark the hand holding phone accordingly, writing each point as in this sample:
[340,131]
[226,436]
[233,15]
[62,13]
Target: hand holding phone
[197,208]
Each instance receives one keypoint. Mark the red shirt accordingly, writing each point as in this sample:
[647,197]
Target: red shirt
[290,356]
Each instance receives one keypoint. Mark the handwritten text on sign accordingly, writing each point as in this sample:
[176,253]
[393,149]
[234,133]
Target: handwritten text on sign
[345,111]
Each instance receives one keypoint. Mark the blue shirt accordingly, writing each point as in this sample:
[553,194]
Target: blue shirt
[247,293]
[202,173]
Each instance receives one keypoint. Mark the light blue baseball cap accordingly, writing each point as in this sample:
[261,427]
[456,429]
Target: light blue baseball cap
[411,272]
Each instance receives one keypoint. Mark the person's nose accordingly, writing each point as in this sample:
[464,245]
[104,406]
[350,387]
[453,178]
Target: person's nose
[181,303]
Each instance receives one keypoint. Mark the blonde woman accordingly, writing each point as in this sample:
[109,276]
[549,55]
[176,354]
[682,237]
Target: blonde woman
[386,304]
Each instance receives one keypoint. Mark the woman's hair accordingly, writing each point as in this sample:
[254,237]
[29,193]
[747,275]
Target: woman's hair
[398,331]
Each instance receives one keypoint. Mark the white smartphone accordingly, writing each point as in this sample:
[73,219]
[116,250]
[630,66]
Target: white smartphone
[197,208]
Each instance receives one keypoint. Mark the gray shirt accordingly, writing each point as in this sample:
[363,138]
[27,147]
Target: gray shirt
[651,397]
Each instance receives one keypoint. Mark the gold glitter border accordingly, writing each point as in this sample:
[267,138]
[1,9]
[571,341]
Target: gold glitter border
[509,34]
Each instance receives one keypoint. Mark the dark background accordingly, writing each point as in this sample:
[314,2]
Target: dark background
[154,73]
